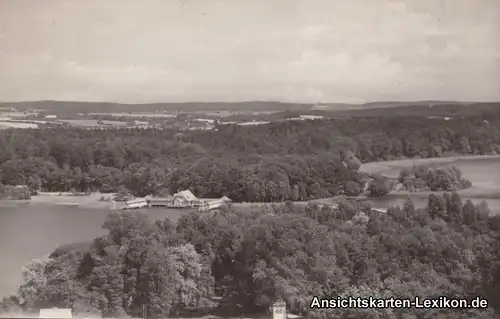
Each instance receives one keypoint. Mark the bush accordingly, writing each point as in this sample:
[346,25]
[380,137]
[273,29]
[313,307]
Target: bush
[423,178]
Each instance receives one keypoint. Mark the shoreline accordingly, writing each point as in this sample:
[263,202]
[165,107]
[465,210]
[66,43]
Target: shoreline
[91,201]
[473,192]
[380,167]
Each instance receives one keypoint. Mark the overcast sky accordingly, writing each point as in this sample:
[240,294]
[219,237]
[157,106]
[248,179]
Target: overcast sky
[302,50]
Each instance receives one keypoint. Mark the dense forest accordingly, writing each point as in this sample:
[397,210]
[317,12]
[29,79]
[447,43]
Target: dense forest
[239,263]
[291,160]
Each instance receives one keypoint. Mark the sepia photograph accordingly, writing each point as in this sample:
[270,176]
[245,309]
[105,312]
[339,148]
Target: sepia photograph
[257,159]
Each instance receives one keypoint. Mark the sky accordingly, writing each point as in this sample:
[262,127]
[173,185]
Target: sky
[232,50]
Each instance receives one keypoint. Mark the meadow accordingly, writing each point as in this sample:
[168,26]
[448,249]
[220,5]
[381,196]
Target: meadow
[92,123]
[17,125]
[136,114]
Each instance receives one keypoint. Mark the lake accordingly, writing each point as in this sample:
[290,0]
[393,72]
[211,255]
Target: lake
[483,172]
[28,232]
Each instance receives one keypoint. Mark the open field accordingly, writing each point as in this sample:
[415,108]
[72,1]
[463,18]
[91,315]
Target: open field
[18,125]
[91,123]
[13,114]
[152,115]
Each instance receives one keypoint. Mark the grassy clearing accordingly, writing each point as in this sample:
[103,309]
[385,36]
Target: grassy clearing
[152,115]
[18,125]
[92,123]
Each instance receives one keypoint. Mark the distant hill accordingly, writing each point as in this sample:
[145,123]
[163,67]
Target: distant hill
[335,106]
[410,103]
[105,107]
[288,109]
[421,109]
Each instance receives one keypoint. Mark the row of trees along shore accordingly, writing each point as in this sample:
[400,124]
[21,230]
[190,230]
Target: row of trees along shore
[239,262]
[290,160]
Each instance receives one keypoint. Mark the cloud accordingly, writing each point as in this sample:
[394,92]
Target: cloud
[329,50]
[312,32]
[131,74]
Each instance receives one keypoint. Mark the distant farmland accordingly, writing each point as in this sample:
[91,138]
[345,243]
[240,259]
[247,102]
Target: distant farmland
[136,114]
[6,125]
[92,123]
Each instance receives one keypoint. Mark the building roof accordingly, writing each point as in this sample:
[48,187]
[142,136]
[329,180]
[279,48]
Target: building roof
[212,200]
[135,200]
[311,117]
[338,198]
[187,195]
[280,303]
[159,199]
[55,313]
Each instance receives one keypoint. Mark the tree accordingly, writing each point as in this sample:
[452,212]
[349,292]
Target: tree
[455,208]
[302,191]
[251,258]
[352,189]
[483,211]
[34,282]
[409,207]
[34,183]
[191,291]
[436,206]
[10,305]
[379,186]
[353,163]
[419,184]
[295,192]
[469,213]
[405,174]
[316,191]
[285,190]
[123,195]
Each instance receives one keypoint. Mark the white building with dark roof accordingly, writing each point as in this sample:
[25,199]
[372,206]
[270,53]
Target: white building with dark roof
[136,203]
[56,313]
